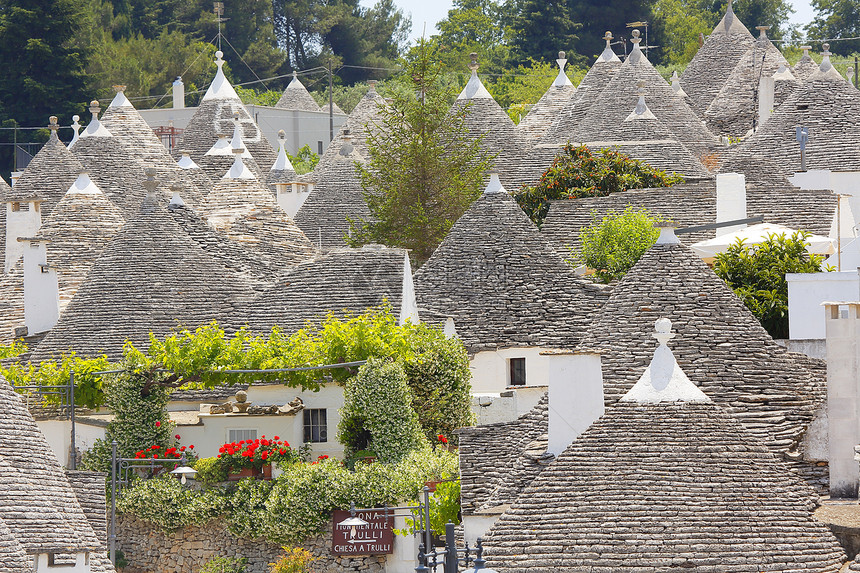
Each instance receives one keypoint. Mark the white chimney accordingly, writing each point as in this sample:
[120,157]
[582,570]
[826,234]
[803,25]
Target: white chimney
[842,324]
[178,93]
[23,219]
[41,289]
[575,395]
[731,201]
[766,90]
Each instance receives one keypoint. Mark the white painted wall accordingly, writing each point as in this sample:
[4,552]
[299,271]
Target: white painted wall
[302,127]
[82,564]
[575,396]
[408,302]
[59,436]
[41,289]
[806,292]
[475,526]
[766,88]
[491,369]
[22,223]
[843,402]
[291,196]
[731,201]
[842,182]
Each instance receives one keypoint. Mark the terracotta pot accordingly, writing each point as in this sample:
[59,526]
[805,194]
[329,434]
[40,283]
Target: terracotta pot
[267,472]
[236,475]
[431,485]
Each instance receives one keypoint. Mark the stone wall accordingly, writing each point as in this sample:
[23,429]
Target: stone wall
[148,550]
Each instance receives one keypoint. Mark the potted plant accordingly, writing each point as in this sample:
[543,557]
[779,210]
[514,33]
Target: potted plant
[254,458]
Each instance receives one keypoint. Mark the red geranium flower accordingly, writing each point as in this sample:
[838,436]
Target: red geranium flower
[158,424]
[177,437]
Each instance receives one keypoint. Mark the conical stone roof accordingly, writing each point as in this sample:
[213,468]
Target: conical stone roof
[151,278]
[665,480]
[614,106]
[111,165]
[712,65]
[587,93]
[642,136]
[282,170]
[826,104]
[219,159]
[336,198]
[37,502]
[546,111]
[296,96]
[353,132]
[339,282]
[489,274]
[214,116]
[719,344]
[484,117]
[79,228]
[123,121]
[734,110]
[49,174]
[806,67]
[235,194]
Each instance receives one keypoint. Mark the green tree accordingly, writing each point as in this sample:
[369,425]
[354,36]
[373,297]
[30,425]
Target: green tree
[580,172]
[597,16]
[757,275]
[424,169]
[613,244]
[675,27]
[540,29]
[519,87]
[837,19]
[480,26]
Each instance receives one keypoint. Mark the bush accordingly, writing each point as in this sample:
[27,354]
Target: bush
[612,245]
[757,275]
[377,413]
[295,506]
[294,560]
[225,565]
[210,470]
[579,172]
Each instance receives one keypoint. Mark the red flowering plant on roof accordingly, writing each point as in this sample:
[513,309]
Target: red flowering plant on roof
[173,451]
[256,453]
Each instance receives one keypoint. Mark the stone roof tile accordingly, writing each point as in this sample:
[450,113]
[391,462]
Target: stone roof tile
[296,96]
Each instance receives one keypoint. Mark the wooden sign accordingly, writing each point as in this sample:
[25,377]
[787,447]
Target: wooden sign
[375,538]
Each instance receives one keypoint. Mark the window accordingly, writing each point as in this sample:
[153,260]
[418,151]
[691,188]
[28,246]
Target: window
[518,371]
[319,148]
[240,435]
[316,427]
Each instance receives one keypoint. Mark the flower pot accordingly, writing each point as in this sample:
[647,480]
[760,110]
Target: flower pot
[267,472]
[431,485]
[236,475]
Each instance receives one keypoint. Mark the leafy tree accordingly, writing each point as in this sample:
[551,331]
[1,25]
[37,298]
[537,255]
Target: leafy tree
[613,244]
[597,16]
[580,172]
[837,19]
[541,28]
[480,26]
[757,275]
[424,169]
[675,27]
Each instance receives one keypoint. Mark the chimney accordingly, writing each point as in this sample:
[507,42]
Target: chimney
[575,395]
[731,201]
[23,219]
[667,233]
[842,326]
[766,91]
[41,289]
[178,93]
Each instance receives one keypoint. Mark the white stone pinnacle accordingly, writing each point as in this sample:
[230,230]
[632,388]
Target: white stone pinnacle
[282,163]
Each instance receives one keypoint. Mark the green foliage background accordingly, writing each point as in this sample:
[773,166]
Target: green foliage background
[613,244]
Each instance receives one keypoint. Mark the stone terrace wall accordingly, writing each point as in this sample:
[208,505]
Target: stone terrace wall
[148,550]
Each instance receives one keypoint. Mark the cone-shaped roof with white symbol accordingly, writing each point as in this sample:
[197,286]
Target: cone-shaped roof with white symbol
[214,116]
[666,480]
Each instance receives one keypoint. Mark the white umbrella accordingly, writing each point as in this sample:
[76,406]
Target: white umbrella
[756,234]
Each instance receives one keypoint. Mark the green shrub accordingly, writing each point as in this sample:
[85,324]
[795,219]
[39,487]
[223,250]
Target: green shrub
[225,565]
[757,275]
[377,413]
[294,560]
[579,172]
[210,470]
[295,506]
[612,245]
